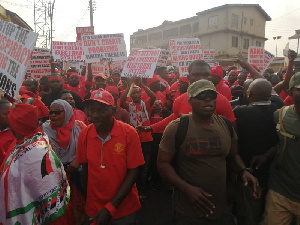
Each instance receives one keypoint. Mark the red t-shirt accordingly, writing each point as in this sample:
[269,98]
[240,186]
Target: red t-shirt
[223,89]
[288,101]
[123,151]
[79,115]
[160,101]
[6,140]
[80,89]
[283,95]
[182,106]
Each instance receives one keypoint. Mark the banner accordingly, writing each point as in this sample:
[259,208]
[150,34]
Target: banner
[268,58]
[45,50]
[84,31]
[67,51]
[98,67]
[117,65]
[40,65]
[141,63]
[163,57]
[174,59]
[104,48]
[16,45]
[209,57]
[260,57]
[187,51]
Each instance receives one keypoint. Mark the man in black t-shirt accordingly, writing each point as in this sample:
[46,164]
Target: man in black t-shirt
[256,135]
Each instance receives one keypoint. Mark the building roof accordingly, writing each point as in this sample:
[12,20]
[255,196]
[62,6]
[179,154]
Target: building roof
[259,8]
[18,18]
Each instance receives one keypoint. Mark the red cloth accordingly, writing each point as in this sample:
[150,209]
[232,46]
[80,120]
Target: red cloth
[283,95]
[288,101]
[63,134]
[6,139]
[79,115]
[80,89]
[155,78]
[23,118]
[122,152]
[112,88]
[174,86]
[217,71]
[223,89]
[182,106]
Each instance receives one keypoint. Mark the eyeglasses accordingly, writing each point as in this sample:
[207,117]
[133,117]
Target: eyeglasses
[205,95]
[56,112]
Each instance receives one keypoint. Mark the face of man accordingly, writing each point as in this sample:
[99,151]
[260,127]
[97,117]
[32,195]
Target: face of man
[30,86]
[182,86]
[100,114]
[116,78]
[198,73]
[295,93]
[56,85]
[214,79]
[4,111]
[204,104]
[232,77]
[136,95]
[44,85]
[74,81]
[100,82]
[164,74]
[241,79]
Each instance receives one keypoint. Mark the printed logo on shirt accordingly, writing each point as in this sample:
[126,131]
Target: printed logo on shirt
[204,146]
[119,148]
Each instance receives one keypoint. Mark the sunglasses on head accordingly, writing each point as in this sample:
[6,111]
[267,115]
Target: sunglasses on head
[56,112]
[206,94]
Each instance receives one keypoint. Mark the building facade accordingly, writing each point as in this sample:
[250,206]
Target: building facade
[12,17]
[228,29]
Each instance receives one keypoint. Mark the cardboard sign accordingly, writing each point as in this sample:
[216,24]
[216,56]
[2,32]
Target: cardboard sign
[163,57]
[117,65]
[141,63]
[173,59]
[98,67]
[45,50]
[187,51]
[16,45]
[260,57]
[84,31]
[40,65]
[256,56]
[268,58]
[104,47]
[209,57]
[67,51]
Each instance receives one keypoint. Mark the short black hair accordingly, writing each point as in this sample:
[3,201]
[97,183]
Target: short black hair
[44,78]
[160,69]
[34,81]
[198,63]
[65,92]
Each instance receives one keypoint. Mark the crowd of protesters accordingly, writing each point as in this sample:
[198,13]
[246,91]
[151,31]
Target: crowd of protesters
[78,149]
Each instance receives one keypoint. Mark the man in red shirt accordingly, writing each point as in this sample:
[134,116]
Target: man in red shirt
[216,76]
[110,153]
[198,70]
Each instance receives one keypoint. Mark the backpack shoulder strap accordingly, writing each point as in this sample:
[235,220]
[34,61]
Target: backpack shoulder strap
[181,131]
[229,125]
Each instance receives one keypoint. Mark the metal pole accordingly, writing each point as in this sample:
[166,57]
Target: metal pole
[91,12]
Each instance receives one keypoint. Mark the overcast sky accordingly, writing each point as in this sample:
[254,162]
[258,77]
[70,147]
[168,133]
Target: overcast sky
[126,17]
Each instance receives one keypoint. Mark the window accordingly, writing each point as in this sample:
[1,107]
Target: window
[234,20]
[235,41]
[245,20]
[251,22]
[141,39]
[246,44]
[258,43]
[213,21]
[155,36]
[195,27]
[185,29]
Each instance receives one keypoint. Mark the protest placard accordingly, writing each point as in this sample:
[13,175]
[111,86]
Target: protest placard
[117,65]
[187,51]
[104,47]
[40,64]
[84,31]
[16,45]
[45,50]
[268,58]
[256,56]
[209,57]
[98,67]
[163,57]
[173,59]
[67,51]
[141,63]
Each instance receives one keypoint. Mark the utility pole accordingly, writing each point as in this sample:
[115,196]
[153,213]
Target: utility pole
[91,12]
[50,14]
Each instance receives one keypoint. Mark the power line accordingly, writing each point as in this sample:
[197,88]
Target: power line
[17,4]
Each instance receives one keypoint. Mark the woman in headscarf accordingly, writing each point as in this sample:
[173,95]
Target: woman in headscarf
[63,130]
[33,184]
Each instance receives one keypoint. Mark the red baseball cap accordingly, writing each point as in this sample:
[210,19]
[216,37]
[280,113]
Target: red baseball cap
[102,96]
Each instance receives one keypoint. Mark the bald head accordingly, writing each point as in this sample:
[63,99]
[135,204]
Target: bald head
[259,90]
[247,84]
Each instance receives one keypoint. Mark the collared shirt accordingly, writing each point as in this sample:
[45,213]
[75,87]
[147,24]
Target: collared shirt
[106,171]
